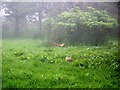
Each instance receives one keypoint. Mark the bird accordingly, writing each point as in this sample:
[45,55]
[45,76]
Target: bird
[68,58]
[56,44]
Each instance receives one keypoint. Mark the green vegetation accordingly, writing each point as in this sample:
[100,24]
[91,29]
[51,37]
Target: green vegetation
[35,64]
[0,64]
[31,33]
[77,26]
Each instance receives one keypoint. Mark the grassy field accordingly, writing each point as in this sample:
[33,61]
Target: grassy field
[0,63]
[34,64]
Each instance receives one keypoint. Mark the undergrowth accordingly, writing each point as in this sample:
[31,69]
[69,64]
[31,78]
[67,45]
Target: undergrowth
[30,64]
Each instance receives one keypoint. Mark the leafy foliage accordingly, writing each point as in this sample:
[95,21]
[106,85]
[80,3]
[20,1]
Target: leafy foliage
[90,27]
[25,65]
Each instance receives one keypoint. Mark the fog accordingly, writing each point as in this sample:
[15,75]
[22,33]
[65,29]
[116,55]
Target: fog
[27,20]
[59,45]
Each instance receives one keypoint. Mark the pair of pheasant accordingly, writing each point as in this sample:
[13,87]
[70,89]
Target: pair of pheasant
[68,58]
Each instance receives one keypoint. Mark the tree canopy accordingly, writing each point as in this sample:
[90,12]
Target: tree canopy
[69,22]
[81,26]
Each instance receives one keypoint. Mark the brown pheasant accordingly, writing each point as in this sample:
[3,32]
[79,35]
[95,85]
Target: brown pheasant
[56,44]
[69,59]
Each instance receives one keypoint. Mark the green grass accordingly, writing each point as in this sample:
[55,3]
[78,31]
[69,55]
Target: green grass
[33,64]
[0,63]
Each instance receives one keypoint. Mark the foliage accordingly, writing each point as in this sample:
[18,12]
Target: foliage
[90,27]
[30,64]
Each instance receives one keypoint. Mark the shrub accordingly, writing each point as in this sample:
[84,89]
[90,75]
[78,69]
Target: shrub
[88,27]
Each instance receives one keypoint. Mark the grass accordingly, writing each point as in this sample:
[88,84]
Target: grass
[0,64]
[33,64]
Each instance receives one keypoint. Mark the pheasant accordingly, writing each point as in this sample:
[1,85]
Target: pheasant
[69,59]
[56,44]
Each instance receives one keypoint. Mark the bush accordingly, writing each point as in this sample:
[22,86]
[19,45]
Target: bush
[88,27]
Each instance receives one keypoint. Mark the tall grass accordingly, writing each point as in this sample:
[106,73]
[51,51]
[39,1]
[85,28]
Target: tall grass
[34,64]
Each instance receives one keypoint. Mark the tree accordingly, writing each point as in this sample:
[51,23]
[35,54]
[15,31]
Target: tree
[90,27]
[17,11]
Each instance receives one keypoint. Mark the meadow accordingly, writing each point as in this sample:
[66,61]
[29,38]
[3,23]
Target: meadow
[36,64]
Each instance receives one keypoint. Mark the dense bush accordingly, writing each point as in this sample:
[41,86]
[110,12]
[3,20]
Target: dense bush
[88,27]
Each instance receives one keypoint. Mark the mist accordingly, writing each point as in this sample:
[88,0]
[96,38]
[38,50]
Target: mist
[26,20]
[59,45]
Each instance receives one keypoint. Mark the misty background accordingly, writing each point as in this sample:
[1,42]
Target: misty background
[27,20]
